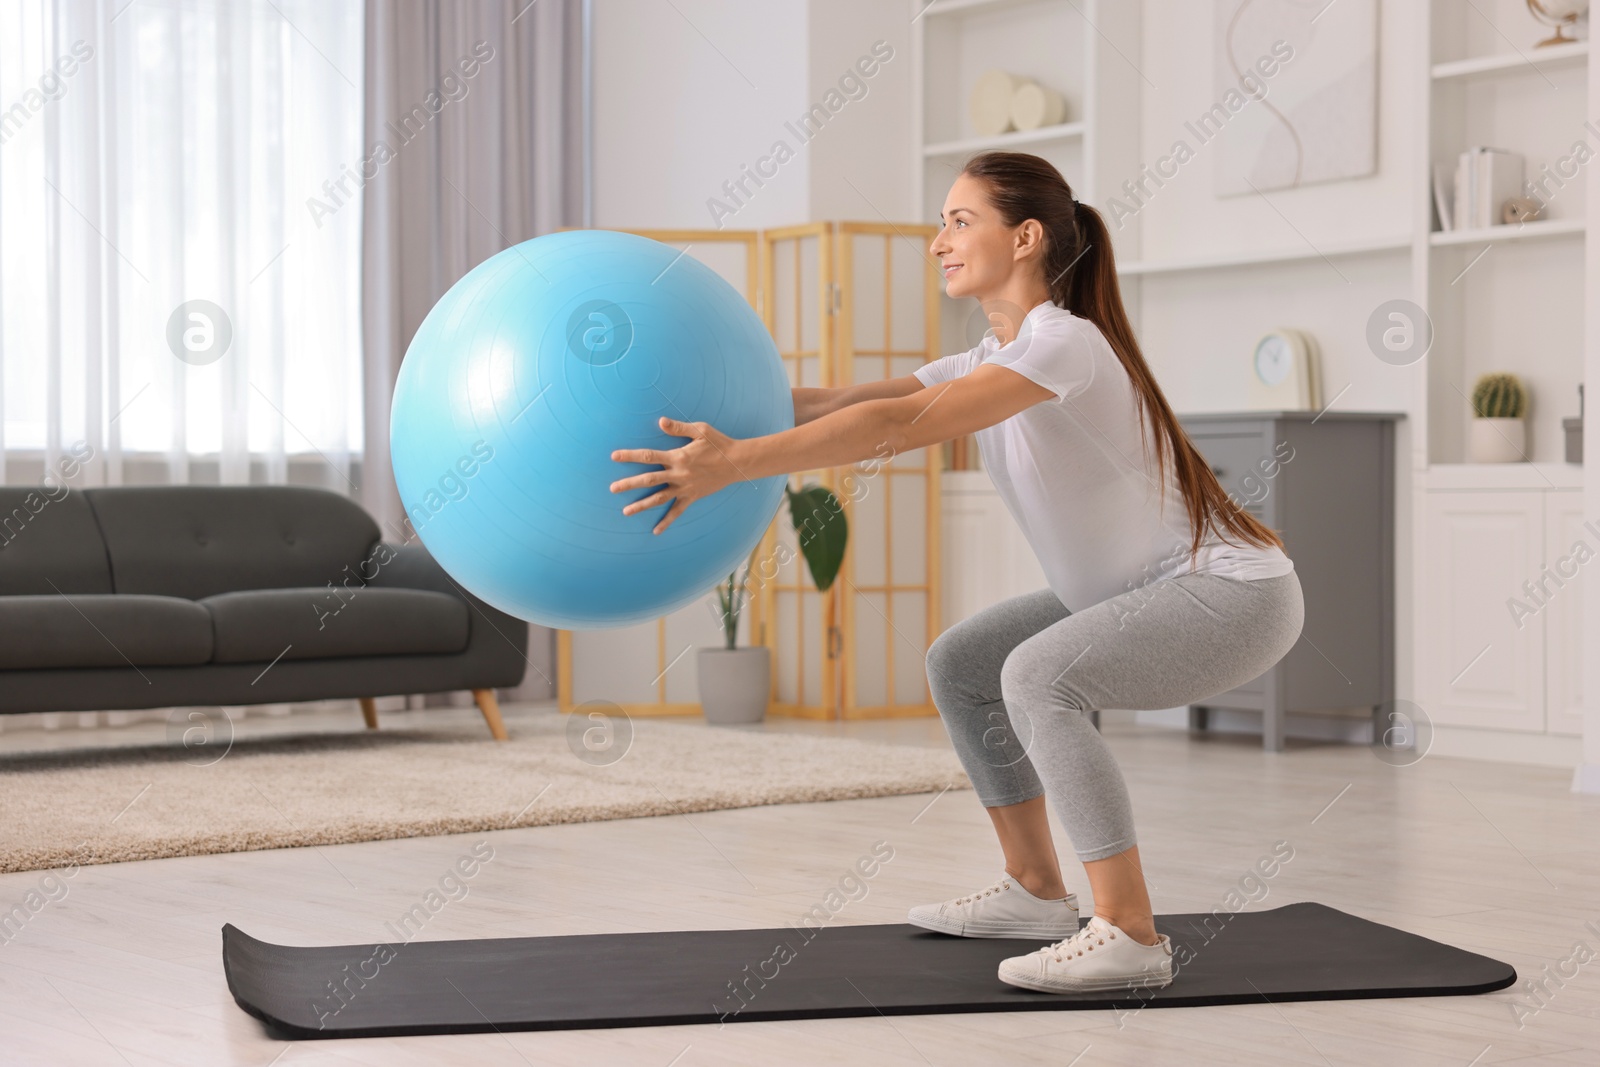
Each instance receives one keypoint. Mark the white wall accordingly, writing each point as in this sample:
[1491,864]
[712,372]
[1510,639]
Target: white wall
[861,158]
[1184,218]
[689,94]
[685,95]
[1198,328]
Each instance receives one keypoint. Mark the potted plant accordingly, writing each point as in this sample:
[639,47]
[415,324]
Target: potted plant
[735,682]
[1498,433]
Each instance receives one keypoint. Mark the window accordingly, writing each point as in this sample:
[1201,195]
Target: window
[179,240]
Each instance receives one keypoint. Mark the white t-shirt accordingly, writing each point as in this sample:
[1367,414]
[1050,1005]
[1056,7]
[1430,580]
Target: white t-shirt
[1072,469]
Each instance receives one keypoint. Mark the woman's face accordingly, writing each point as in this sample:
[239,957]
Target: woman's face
[977,252]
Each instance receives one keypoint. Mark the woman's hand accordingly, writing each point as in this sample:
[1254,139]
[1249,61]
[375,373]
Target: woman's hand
[689,473]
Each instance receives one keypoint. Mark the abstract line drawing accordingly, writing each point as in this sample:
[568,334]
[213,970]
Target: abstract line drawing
[1314,118]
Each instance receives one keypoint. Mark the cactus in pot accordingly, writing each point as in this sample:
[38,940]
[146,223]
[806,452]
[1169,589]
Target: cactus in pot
[1498,433]
[1498,396]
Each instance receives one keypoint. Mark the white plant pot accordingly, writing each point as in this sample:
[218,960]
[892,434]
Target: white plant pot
[734,683]
[1498,441]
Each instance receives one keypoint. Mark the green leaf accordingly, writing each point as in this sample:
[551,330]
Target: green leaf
[822,531]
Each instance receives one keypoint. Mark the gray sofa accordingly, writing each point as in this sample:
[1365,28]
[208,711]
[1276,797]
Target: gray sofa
[177,596]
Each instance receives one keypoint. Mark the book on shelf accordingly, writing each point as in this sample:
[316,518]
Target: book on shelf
[1441,199]
[1485,179]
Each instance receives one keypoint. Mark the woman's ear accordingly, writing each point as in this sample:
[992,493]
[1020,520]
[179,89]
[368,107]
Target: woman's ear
[1029,238]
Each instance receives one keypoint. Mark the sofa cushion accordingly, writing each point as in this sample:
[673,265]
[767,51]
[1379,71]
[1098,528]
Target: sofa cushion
[199,540]
[316,623]
[50,543]
[38,632]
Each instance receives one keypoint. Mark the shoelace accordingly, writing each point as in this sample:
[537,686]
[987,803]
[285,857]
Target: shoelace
[1003,884]
[1070,945]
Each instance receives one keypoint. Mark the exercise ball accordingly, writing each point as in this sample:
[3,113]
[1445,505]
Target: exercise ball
[525,377]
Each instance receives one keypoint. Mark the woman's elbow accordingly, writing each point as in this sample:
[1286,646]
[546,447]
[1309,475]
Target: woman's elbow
[904,429]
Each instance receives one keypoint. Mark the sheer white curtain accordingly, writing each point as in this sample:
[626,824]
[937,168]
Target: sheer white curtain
[180,239]
[501,162]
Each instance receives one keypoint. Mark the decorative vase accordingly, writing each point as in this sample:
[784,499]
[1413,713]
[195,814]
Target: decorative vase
[1034,106]
[734,683]
[1498,440]
[989,106]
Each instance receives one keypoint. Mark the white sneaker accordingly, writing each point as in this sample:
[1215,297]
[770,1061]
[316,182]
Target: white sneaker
[1099,957]
[1004,909]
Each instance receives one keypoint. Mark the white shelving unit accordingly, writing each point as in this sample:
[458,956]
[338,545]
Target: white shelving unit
[1498,658]
[1526,314]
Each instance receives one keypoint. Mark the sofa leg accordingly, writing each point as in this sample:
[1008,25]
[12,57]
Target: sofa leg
[491,712]
[369,712]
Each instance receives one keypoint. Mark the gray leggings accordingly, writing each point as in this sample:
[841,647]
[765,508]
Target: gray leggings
[1012,683]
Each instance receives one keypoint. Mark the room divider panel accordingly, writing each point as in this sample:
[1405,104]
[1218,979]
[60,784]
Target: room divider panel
[845,302]
[795,620]
[887,325]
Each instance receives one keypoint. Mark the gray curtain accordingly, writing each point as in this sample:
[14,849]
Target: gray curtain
[480,105]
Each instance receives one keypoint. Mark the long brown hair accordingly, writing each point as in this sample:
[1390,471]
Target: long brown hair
[1082,276]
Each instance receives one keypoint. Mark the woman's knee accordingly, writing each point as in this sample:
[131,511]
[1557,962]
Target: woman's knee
[1029,680]
[953,657]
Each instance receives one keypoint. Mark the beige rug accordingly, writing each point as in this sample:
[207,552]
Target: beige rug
[110,805]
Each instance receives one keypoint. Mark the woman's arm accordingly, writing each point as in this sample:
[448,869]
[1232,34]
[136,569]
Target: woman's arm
[884,427]
[871,429]
[810,403]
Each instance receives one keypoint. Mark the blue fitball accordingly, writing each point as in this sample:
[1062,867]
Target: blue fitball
[529,373]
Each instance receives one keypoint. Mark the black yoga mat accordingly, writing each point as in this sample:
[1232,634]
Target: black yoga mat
[1296,952]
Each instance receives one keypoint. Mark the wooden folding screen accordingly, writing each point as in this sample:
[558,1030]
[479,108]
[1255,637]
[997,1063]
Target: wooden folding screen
[888,326]
[849,302]
[800,624]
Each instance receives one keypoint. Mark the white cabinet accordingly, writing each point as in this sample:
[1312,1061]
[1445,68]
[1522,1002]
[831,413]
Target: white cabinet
[1499,642]
[1563,628]
[1481,665]
[986,558]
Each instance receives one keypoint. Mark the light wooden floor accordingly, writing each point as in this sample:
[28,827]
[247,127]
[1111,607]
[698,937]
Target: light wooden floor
[1500,859]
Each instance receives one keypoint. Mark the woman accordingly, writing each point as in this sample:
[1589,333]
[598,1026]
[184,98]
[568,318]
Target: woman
[1148,605]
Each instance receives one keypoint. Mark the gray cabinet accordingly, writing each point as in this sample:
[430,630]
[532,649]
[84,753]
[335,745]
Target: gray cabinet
[1325,483]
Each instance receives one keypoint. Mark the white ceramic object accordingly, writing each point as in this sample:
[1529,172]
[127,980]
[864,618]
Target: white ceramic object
[1033,106]
[989,107]
[1498,441]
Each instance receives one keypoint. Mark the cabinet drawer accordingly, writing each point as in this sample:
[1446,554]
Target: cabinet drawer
[1237,461]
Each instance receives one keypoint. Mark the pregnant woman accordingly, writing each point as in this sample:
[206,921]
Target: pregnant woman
[1162,591]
